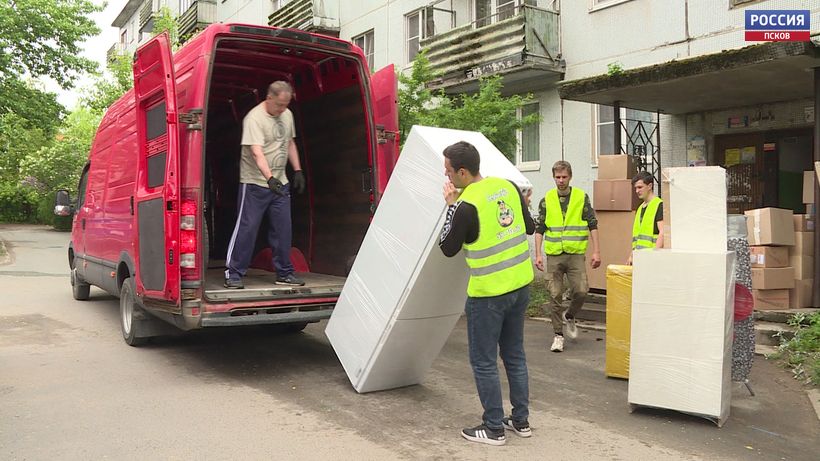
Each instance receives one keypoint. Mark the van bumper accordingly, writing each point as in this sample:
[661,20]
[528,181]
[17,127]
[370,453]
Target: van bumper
[226,319]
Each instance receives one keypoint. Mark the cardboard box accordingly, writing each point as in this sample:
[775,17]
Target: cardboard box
[694,208]
[615,233]
[616,167]
[762,256]
[770,226]
[618,320]
[401,300]
[800,295]
[678,296]
[803,266]
[614,195]
[803,223]
[803,244]
[808,186]
[771,299]
[772,278]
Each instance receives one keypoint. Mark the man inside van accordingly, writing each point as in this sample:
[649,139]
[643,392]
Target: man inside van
[267,146]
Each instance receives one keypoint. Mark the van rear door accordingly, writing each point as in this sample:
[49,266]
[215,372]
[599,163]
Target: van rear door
[384,95]
[157,190]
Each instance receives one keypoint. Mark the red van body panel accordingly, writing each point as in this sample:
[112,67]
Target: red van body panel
[147,167]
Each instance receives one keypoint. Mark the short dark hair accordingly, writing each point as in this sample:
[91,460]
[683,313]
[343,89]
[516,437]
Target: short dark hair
[562,165]
[463,155]
[644,177]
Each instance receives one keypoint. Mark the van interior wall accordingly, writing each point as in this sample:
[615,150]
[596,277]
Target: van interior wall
[332,216]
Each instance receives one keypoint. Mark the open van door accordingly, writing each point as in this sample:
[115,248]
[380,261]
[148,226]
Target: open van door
[157,190]
[384,88]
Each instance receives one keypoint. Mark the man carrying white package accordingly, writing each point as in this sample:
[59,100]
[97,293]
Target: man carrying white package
[490,220]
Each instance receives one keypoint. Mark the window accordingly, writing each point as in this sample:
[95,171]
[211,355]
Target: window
[365,42]
[82,186]
[601,4]
[529,140]
[419,26]
[490,11]
[124,37]
[631,134]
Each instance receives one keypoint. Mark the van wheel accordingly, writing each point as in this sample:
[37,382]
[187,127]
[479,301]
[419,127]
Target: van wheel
[79,288]
[130,315]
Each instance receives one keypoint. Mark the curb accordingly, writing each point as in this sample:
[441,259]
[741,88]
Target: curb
[814,398]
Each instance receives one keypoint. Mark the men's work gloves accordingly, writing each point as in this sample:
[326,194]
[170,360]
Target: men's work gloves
[275,186]
[298,182]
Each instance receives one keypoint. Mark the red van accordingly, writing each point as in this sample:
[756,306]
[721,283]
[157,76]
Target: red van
[157,200]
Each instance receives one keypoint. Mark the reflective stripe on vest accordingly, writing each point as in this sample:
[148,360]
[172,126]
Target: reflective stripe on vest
[643,230]
[565,233]
[499,259]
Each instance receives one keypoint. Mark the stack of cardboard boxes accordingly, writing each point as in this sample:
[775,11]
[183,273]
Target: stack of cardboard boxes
[614,200]
[771,234]
[801,255]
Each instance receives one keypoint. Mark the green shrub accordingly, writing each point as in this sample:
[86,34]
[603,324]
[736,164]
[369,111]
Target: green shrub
[539,296]
[801,352]
[17,204]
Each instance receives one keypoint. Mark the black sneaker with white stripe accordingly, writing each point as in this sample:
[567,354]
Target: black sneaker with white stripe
[520,429]
[483,434]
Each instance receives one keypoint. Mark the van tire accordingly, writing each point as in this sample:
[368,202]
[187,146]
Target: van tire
[295,327]
[79,288]
[131,315]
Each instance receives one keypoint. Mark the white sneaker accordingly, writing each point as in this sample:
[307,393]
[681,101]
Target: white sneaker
[572,328]
[557,344]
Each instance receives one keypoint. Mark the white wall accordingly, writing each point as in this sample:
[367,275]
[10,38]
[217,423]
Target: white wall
[244,11]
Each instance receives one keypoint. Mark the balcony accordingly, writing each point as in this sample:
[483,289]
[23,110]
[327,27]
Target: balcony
[319,17]
[199,15]
[521,43]
[147,16]
[116,49]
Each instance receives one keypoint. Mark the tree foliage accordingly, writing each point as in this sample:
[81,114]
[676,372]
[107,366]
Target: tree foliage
[486,111]
[36,108]
[108,88]
[164,20]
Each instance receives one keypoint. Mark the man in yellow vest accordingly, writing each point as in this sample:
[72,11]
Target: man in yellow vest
[490,220]
[647,230]
[566,223]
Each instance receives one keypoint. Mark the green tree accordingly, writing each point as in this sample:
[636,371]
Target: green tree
[486,111]
[37,108]
[164,20]
[108,88]
[17,140]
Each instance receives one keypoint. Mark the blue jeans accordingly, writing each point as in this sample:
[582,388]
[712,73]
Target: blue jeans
[493,323]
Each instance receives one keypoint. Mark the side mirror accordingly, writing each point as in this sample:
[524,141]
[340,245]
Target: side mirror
[62,204]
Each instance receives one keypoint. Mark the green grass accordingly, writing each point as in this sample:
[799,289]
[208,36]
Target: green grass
[539,297]
[801,352]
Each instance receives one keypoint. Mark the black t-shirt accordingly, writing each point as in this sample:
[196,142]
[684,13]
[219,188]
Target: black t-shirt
[461,225]
[658,215]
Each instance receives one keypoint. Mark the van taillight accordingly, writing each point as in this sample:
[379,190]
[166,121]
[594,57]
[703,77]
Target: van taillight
[187,235]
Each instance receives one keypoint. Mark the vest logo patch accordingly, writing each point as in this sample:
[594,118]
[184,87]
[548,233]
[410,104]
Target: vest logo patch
[505,214]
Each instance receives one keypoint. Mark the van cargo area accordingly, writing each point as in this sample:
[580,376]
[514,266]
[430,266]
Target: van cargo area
[330,219]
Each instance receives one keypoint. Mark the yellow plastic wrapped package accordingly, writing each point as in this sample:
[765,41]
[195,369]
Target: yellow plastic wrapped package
[618,320]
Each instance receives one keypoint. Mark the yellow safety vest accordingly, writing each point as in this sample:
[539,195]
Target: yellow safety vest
[499,259]
[643,230]
[566,233]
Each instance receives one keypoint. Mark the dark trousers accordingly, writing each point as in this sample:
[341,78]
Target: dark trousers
[498,323]
[253,203]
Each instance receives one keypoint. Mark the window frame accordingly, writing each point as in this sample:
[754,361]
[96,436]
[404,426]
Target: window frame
[596,124]
[371,55]
[520,163]
[598,5]
[426,18]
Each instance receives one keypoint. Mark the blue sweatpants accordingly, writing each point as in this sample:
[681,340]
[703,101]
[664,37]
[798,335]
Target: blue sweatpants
[254,202]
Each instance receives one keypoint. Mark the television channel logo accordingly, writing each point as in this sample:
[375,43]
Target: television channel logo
[777,25]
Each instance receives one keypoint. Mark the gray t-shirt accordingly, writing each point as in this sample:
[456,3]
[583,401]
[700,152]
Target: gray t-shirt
[273,134]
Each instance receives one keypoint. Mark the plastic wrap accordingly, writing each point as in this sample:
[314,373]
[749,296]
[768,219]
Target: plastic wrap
[682,330]
[403,297]
[618,320]
[695,216]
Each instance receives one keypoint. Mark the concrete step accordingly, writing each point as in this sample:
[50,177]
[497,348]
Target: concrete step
[782,315]
[591,311]
[769,333]
[762,349]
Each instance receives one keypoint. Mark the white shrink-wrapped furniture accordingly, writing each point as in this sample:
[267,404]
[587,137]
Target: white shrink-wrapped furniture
[681,345]
[403,297]
[694,208]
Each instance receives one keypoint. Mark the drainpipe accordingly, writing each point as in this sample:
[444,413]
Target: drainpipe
[815,290]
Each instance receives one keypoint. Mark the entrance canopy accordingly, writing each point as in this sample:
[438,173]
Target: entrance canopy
[757,74]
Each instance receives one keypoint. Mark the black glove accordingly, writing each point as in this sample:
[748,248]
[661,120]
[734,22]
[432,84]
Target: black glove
[275,186]
[298,182]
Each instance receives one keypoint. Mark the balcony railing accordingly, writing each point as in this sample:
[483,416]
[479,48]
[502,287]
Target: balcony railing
[320,17]
[197,17]
[116,49]
[519,38]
